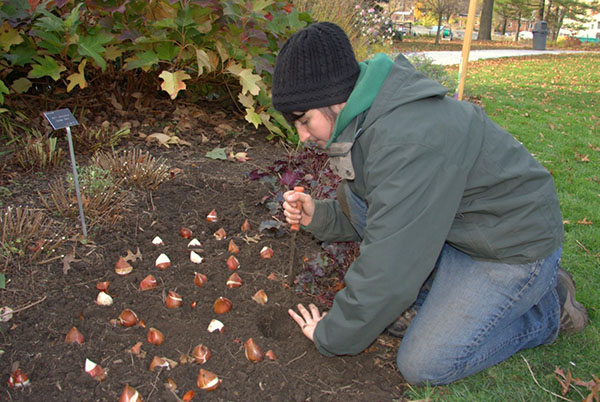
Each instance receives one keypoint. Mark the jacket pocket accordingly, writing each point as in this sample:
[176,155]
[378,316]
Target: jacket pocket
[341,159]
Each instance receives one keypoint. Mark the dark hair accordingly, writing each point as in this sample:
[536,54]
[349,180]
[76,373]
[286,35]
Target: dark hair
[327,111]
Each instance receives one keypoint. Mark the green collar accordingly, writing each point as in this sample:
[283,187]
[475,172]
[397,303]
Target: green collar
[372,75]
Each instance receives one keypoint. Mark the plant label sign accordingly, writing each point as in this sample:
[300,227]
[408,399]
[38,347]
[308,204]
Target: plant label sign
[61,118]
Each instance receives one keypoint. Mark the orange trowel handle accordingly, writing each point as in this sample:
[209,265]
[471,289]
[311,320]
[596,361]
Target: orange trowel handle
[296,226]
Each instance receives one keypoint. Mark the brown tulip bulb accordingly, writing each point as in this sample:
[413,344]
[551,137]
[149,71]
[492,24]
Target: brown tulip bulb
[173,300]
[260,297]
[253,352]
[266,253]
[199,279]
[185,233]
[18,379]
[245,226]
[234,281]
[222,305]
[220,234]
[127,318]
[74,336]
[201,354]
[233,248]
[233,263]
[149,282]
[212,216]
[155,337]
[130,394]
[122,267]
[207,381]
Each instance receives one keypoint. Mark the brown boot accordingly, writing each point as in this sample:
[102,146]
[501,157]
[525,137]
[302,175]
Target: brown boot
[573,316]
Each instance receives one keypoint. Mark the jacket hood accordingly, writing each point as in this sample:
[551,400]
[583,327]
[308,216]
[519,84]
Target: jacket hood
[402,84]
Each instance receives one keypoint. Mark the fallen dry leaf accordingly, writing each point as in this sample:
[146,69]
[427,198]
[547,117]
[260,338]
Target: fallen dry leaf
[565,381]
[67,260]
[130,257]
[584,221]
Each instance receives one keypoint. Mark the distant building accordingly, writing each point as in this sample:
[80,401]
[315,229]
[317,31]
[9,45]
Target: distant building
[591,30]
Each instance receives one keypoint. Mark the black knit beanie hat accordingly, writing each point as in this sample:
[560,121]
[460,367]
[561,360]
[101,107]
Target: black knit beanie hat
[315,68]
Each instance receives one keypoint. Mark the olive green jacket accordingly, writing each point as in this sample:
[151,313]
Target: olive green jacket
[431,170]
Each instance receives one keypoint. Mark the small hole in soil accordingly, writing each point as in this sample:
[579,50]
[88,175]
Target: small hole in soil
[274,322]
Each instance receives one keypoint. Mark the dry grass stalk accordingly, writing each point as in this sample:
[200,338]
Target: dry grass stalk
[27,232]
[90,140]
[135,167]
[39,152]
[102,208]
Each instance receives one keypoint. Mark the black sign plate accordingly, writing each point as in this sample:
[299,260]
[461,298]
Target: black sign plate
[61,118]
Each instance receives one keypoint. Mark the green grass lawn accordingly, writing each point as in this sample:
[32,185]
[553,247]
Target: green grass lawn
[552,105]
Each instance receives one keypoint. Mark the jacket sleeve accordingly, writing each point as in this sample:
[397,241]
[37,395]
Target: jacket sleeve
[413,192]
[329,223]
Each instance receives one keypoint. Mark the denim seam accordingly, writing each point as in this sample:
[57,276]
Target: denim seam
[492,324]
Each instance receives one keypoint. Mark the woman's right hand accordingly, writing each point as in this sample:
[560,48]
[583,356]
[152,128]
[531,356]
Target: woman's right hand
[298,208]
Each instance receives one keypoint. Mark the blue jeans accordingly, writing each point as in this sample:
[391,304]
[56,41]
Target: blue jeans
[475,314]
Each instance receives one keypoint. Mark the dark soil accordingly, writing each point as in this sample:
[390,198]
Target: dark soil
[34,339]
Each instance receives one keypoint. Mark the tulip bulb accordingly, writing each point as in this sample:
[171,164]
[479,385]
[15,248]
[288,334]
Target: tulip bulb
[222,305]
[233,248]
[234,281]
[162,362]
[122,267]
[195,257]
[130,394]
[253,352]
[171,385]
[74,336]
[155,337]
[18,379]
[157,241]
[194,243]
[162,262]
[199,279]
[271,355]
[220,234]
[207,381]
[188,396]
[104,299]
[95,370]
[260,297]
[245,226]
[201,354]
[149,282]
[102,286]
[216,325]
[212,216]
[233,263]
[185,233]
[266,253]
[127,318]
[173,300]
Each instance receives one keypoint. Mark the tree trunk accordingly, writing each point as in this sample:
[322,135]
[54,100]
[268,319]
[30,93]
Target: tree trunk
[518,27]
[504,26]
[561,16]
[437,36]
[485,22]
[541,10]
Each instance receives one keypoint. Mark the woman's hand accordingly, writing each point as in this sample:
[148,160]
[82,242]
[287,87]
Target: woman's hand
[298,208]
[307,320]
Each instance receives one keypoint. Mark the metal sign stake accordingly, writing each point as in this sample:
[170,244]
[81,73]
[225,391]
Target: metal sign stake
[76,181]
[63,118]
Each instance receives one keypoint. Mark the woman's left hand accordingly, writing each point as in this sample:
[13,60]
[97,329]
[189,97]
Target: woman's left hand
[307,320]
